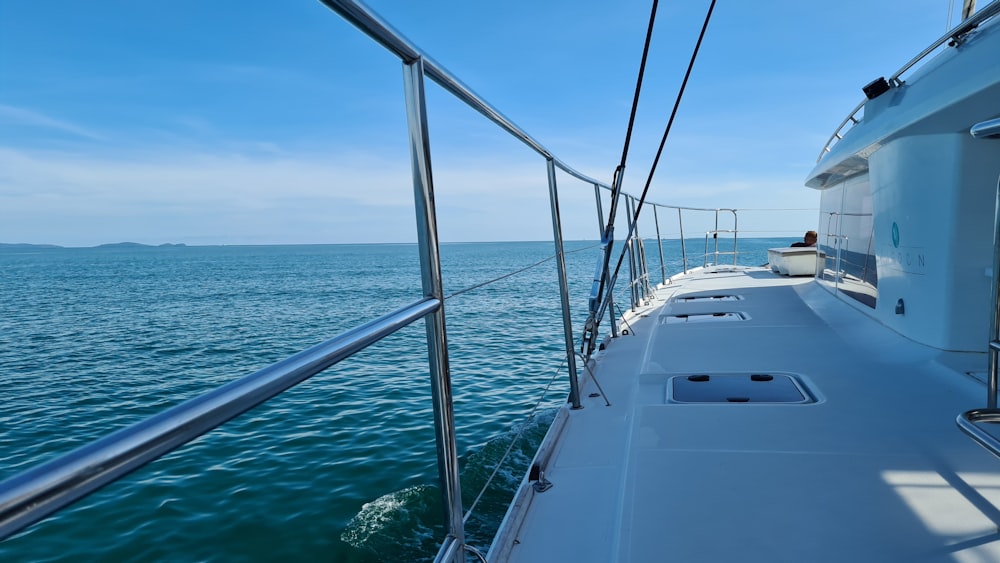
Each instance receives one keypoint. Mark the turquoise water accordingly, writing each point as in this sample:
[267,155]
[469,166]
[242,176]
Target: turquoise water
[340,468]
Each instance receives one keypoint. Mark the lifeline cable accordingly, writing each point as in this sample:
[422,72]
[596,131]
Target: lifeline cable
[510,447]
[534,409]
[514,273]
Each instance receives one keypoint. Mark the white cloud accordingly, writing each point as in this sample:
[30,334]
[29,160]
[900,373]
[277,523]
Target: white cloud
[22,116]
[202,178]
[73,199]
[243,195]
[232,197]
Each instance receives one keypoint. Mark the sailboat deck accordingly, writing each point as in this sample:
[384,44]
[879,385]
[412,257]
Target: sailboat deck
[872,469]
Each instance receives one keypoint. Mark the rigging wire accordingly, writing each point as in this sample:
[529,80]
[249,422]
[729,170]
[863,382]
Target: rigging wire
[616,188]
[666,132]
[593,376]
[621,315]
[531,414]
[514,273]
[517,437]
[617,177]
[620,170]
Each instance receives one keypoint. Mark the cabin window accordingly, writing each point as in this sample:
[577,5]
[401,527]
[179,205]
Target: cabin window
[847,238]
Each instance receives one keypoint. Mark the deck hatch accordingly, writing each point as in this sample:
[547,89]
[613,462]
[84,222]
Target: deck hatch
[737,388]
[708,298]
[703,318]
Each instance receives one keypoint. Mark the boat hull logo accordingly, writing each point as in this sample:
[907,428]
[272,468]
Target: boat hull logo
[895,235]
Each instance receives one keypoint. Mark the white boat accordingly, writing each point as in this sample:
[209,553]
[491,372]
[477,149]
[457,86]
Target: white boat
[800,411]
[809,419]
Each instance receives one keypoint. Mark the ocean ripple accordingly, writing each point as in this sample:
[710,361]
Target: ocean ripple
[342,467]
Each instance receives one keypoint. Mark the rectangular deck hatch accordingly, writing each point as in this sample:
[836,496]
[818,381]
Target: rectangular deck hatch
[703,318]
[737,388]
[708,298]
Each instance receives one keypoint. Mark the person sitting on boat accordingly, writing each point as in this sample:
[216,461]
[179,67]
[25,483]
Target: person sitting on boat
[808,240]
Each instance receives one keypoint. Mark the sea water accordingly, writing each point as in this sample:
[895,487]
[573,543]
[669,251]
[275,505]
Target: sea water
[339,468]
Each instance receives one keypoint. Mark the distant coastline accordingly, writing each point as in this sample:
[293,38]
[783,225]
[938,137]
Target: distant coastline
[26,246]
[6,246]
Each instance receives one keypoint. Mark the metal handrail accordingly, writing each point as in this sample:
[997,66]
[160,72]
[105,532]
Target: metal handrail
[994,342]
[659,244]
[716,253]
[597,307]
[383,33]
[968,421]
[642,267]
[36,493]
[31,496]
[432,286]
[640,290]
[378,29]
[989,128]
[686,208]
[955,35]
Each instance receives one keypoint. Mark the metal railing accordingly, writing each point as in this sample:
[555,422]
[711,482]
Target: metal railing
[713,233]
[968,421]
[639,286]
[32,495]
[953,37]
[36,493]
[986,129]
[714,236]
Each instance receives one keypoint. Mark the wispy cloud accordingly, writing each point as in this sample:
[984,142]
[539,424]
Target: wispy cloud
[203,177]
[238,196]
[23,116]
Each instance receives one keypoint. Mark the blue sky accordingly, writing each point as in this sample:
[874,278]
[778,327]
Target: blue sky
[275,122]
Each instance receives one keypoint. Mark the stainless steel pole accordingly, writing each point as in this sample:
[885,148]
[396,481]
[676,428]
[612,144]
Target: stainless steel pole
[643,275]
[32,495]
[994,345]
[600,209]
[715,236]
[659,244]
[437,342]
[630,246]
[642,266]
[574,389]
[684,254]
[736,235]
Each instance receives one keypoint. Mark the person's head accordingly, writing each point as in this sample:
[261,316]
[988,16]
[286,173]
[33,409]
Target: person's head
[811,238]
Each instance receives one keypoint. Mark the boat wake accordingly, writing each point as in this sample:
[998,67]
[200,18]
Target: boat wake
[406,524]
[398,525]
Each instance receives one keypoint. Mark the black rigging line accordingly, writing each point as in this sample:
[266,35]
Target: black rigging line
[666,132]
[616,180]
[635,99]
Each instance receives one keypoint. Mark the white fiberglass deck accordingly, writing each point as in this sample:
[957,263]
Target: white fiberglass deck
[874,470]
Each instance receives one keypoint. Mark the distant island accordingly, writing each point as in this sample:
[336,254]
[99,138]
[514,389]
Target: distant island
[22,245]
[136,245]
[25,246]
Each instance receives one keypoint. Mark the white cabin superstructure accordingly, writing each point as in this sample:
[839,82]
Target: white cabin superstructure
[909,192]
